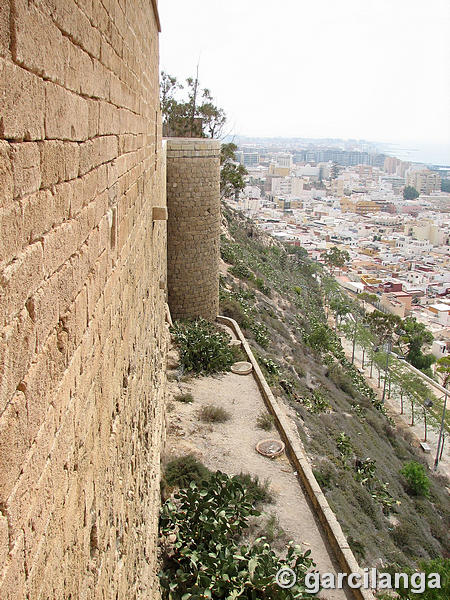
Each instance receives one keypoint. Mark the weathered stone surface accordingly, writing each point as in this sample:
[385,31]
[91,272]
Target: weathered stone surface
[82,315]
[193,204]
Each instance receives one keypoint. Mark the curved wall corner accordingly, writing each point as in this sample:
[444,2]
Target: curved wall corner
[193,228]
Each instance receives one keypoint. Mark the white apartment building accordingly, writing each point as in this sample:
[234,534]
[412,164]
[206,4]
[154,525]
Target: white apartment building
[427,230]
[410,247]
[284,159]
[286,186]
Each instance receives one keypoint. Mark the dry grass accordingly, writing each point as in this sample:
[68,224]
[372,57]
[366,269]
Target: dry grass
[213,414]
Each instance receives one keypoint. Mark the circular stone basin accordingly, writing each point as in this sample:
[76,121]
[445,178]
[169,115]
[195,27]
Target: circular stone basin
[270,448]
[241,368]
[236,343]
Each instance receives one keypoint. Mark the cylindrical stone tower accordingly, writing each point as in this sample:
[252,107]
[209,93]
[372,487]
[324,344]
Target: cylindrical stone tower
[193,229]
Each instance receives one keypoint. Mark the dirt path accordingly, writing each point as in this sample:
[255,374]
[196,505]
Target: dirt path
[230,447]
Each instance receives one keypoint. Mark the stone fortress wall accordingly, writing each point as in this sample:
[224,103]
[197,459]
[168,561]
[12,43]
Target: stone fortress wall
[193,202]
[82,299]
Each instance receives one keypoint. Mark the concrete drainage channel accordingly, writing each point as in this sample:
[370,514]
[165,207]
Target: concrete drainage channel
[297,456]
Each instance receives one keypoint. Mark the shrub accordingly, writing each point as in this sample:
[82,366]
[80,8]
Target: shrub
[180,471]
[365,471]
[416,478]
[270,366]
[272,530]
[342,380]
[260,334]
[325,475]
[262,287]
[186,398]
[213,414]
[438,565]
[357,547]
[207,560]
[317,402]
[241,271]
[231,307]
[264,421]
[203,347]
[256,492]
[344,445]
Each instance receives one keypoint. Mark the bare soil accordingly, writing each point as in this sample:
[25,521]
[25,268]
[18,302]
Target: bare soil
[230,447]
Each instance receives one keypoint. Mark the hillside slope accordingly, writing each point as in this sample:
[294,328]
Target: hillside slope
[274,293]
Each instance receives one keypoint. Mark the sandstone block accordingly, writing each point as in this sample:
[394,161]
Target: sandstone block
[93,117]
[78,73]
[22,103]
[108,119]
[11,232]
[25,159]
[4,31]
[17,346]
[101,80]
[62,199]
[12,585]
[76,25]
[71,160]
[38,215]
[19,280]
[6,175]
[13,443]
[66,114]
[43,307]
[41,381]
[37,41]
[53,167]
[59,244]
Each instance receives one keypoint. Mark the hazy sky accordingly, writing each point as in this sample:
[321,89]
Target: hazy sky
[373,69]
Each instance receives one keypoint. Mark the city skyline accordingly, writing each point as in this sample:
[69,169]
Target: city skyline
[377,71]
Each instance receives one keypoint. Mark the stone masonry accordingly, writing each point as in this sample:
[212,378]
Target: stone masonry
[193,203]
[82,300]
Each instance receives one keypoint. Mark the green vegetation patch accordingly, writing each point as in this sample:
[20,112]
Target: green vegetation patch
[366,490]
[207,559]
[204,348]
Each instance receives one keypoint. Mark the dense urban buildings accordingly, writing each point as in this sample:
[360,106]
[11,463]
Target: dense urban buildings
[399,248]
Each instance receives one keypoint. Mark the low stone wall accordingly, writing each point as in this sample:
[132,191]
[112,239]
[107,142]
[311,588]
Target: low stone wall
[297,455]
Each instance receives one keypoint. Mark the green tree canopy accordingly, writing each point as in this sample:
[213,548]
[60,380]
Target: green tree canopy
[195,114]
[335,258]
[410,193]
[443,368]
[413,336]
[382,325]
[232,174]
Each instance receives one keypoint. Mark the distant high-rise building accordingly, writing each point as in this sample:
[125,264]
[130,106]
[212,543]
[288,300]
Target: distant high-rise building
[390,165]
[284,160]
[251,159]
[424,181]
[248,159]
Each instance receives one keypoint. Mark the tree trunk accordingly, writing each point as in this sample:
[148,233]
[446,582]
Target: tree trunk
[353,348]
[362,362]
